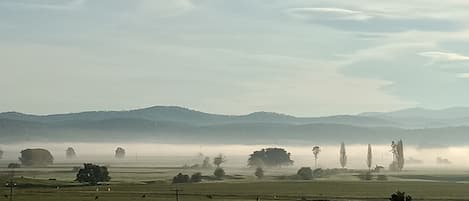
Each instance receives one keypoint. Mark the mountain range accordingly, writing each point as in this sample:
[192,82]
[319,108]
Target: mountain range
[172,124]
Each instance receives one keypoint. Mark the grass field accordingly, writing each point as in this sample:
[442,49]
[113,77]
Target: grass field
[132,181]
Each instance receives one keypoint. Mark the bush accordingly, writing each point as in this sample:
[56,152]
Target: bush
[181,178]
[305,173]
[400,196]
[382,177]
[365,176]
[196,177]
[93,174]
[14,165]
[318,172]
[259,173]
[219,173]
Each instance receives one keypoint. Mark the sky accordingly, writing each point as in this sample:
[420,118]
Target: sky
[299,57]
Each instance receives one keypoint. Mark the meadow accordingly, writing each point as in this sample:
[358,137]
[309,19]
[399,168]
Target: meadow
[148,180]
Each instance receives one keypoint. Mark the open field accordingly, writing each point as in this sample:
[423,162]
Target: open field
[145,181]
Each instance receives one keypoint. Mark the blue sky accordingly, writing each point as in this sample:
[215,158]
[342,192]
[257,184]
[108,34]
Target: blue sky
[301,57]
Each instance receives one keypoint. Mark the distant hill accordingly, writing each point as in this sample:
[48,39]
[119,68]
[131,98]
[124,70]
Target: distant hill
[181,125]
[184,115]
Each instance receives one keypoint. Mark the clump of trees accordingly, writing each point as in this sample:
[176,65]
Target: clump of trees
[343,155]
[196,177]
[120,152]
[305,173]
[184,178]
[272,157]
[93,174]
[70,153]
[398,156]
[36,157]
[400,196]
[219,173]
[259,173]
[1,154]
[218,160]
[181,178]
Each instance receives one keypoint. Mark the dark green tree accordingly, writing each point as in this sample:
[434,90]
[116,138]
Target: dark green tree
[93,174]
[272,157]
[36,157]
[219,173]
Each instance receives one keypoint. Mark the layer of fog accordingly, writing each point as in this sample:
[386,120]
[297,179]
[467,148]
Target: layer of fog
[237,155]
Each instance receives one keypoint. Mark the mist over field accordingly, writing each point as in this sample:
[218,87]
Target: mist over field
[237,155]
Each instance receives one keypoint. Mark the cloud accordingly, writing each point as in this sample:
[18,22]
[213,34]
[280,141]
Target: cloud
[328,14]
[463,75]
[444,56]
[369,20]
[43,4]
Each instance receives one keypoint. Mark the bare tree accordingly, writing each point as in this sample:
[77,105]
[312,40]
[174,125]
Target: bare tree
[218,160]
[316,151]
[343,155]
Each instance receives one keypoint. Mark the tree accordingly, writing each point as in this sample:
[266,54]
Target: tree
[93,174]
[120,152]
[400,148]
[218,160]
[196,177]
[219,173]
[206,163]
[1,154]
[272,157]
[36,157]
[400,196]
[398,156]
[70,153]
[181,178]
[316,151]
[369,158]
[259,173]
[305,173]
[343,155]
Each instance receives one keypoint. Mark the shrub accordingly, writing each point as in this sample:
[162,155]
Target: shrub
[219,173]
[14,165]
[181,178]
[259,173]
[365,176]
[400,196]
[318,172]
[382,177]
[305,173]
[196,177]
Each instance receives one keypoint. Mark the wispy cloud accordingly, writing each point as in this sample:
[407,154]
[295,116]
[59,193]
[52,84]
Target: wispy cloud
[444,56]
[315,13]
[464,75]
[43,4]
